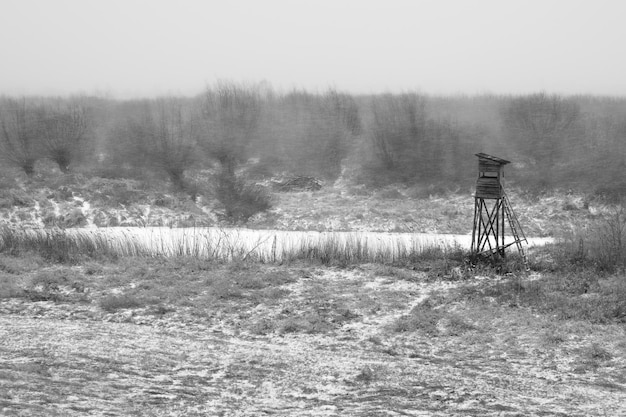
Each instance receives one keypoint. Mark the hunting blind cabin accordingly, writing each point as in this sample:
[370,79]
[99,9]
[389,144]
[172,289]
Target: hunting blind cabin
[492,210]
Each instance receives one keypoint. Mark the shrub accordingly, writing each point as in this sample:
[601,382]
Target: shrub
[597,353]
[578,295]
[612,248]
[8,179]
[390,194]
[114,302]
[261,327]
[224,288]
[457,325]
[422,317]
[602,247]
[591,358]
[311,322]
[56,285]
[15,198]
[75,218]
[239,199]
[367,375]
[9,288]
[613,192]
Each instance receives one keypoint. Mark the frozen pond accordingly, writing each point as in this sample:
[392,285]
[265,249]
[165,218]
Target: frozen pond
[266,245]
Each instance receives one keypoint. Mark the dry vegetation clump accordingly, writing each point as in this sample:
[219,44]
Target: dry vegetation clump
[566,296]
[423,317]
[58,246]
[602,246]
[16,198]
[240,199]
[114,302]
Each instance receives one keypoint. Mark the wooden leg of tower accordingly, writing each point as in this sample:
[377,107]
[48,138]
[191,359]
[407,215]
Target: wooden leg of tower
[481,225]
[496,221]
[476,224]
[501,219]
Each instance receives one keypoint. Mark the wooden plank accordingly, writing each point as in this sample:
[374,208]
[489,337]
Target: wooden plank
[486,157]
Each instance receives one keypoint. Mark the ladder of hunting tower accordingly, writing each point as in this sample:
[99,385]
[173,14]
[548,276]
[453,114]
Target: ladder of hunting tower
[516,228]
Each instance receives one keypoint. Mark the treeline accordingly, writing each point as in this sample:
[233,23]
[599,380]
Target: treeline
[554,141]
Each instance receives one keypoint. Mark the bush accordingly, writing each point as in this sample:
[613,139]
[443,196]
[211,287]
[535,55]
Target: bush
[310,323]
[602,247]
[577,296]
[56,285]
[390,194]
[613,192]
[15,198]
[457,325]
[239,199]
[9,288]
[113,302]
[422,317]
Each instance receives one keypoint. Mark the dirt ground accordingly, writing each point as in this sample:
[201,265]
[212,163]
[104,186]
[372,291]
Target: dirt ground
[479,359]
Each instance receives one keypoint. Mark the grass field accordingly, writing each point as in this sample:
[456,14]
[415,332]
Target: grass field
[185,336]
[121,322]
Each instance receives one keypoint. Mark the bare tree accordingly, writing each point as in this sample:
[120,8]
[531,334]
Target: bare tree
[409,144]
[309,134]
[398,128]
[231,114]
[164,137]
[19,137]
[64,131]
[540,125]
[335,121]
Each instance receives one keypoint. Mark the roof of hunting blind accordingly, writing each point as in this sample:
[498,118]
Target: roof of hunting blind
[483,157]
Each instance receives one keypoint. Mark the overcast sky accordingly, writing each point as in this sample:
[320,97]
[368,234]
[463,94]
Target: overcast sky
[131,48]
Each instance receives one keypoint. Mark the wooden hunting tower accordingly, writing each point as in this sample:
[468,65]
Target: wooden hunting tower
[491,209]
[490,176]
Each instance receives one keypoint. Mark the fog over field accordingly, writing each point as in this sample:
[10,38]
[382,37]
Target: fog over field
[146,48]
[408,88]
[312,208]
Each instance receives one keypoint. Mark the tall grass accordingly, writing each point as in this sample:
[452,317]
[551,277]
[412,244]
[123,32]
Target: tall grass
[64,246]
[68,245]
[602,246]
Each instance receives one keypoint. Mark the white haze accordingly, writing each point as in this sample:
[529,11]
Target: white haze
[132,48]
